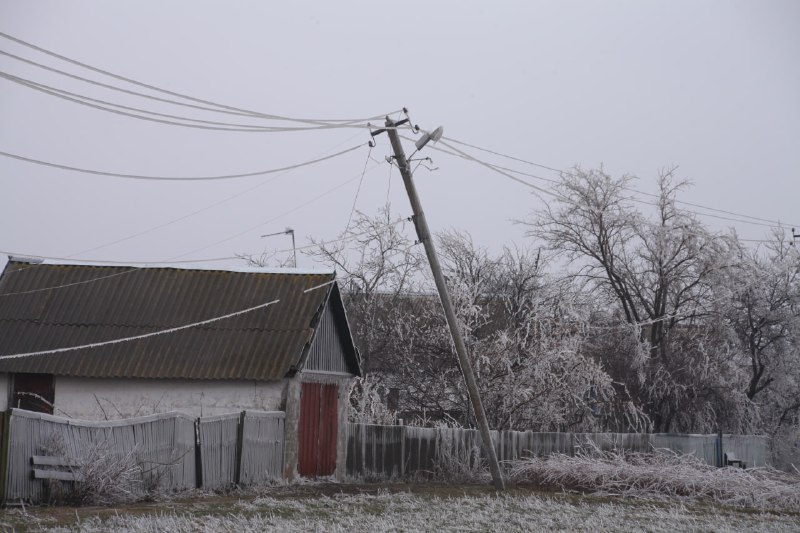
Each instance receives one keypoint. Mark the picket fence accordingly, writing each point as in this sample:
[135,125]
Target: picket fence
[174,451]
[375,451]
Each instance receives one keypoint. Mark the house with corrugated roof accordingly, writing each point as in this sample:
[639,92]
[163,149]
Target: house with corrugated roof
[108,341]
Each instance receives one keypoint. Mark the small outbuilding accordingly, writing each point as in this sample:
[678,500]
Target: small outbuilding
[108,341]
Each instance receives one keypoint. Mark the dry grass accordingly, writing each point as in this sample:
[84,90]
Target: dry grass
[663,474]
[103,477]
[106,478]
[464,465]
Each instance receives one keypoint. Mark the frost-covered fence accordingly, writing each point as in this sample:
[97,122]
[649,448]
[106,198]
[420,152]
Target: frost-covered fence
[163,446]
[217,444]
[173,451]
[240,448]
[375,451]
[261,457]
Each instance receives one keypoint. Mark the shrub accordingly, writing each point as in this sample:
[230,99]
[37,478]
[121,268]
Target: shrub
[662,474]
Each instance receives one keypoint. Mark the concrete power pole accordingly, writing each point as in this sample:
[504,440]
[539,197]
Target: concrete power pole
[424,235]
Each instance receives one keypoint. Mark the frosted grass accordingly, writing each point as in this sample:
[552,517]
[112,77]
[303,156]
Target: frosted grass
[412,512]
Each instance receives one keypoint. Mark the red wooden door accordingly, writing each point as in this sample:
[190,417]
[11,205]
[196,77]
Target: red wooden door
[318,429]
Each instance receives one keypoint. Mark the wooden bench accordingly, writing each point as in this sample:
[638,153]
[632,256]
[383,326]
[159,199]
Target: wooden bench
[50,467]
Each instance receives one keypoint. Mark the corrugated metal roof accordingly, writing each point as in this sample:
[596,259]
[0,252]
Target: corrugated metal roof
[262,345]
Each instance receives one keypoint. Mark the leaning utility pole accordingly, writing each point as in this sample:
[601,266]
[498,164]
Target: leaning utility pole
[424,235]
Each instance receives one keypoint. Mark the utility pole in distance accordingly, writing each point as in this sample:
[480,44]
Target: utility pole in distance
[424,235]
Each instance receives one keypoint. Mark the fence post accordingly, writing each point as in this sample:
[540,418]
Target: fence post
[237,476]
[198,459]
[402,451]
[5,433]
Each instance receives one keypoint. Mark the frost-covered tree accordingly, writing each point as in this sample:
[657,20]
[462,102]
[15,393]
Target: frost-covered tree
[654,273]
[760,301]
[764,309]
[524,334]
[376,264]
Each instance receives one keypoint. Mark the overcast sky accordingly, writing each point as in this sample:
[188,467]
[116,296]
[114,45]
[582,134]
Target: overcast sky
[711,86]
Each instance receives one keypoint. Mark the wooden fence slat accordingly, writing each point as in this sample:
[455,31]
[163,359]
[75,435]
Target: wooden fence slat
[56,474]
[48,460]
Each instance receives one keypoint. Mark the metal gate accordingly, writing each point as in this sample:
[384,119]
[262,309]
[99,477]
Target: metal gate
[318,429]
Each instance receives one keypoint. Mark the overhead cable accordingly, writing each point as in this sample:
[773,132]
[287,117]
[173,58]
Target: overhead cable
[501,155]
[260,224]
[502,172]
[202,209]
[644,202]
[178,178]
[175,260]
[358,190]
[222,107]
[118,89]
[459,153]
[102,105]
[774,223]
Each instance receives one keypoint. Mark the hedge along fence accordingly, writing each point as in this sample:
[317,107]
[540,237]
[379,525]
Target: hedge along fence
[375,451]
[243,447]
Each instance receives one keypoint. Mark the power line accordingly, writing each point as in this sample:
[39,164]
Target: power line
[501,155]
[222,107]
[292,210]
[358,190]
[177,178]
[202,209]
[198,123]
[458,153]
[389,184]
[506,174]
[464,155]
[773,223]
[174,260]
[119,89]
[194,123]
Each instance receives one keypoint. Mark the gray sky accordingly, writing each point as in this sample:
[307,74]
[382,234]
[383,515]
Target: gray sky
[710,86]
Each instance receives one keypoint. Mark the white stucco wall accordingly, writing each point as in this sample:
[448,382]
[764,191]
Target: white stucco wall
[101,399]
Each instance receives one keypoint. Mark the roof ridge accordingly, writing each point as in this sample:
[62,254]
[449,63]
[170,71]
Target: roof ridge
[34,263]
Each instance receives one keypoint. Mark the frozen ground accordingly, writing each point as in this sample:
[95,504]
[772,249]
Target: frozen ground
[394,508]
